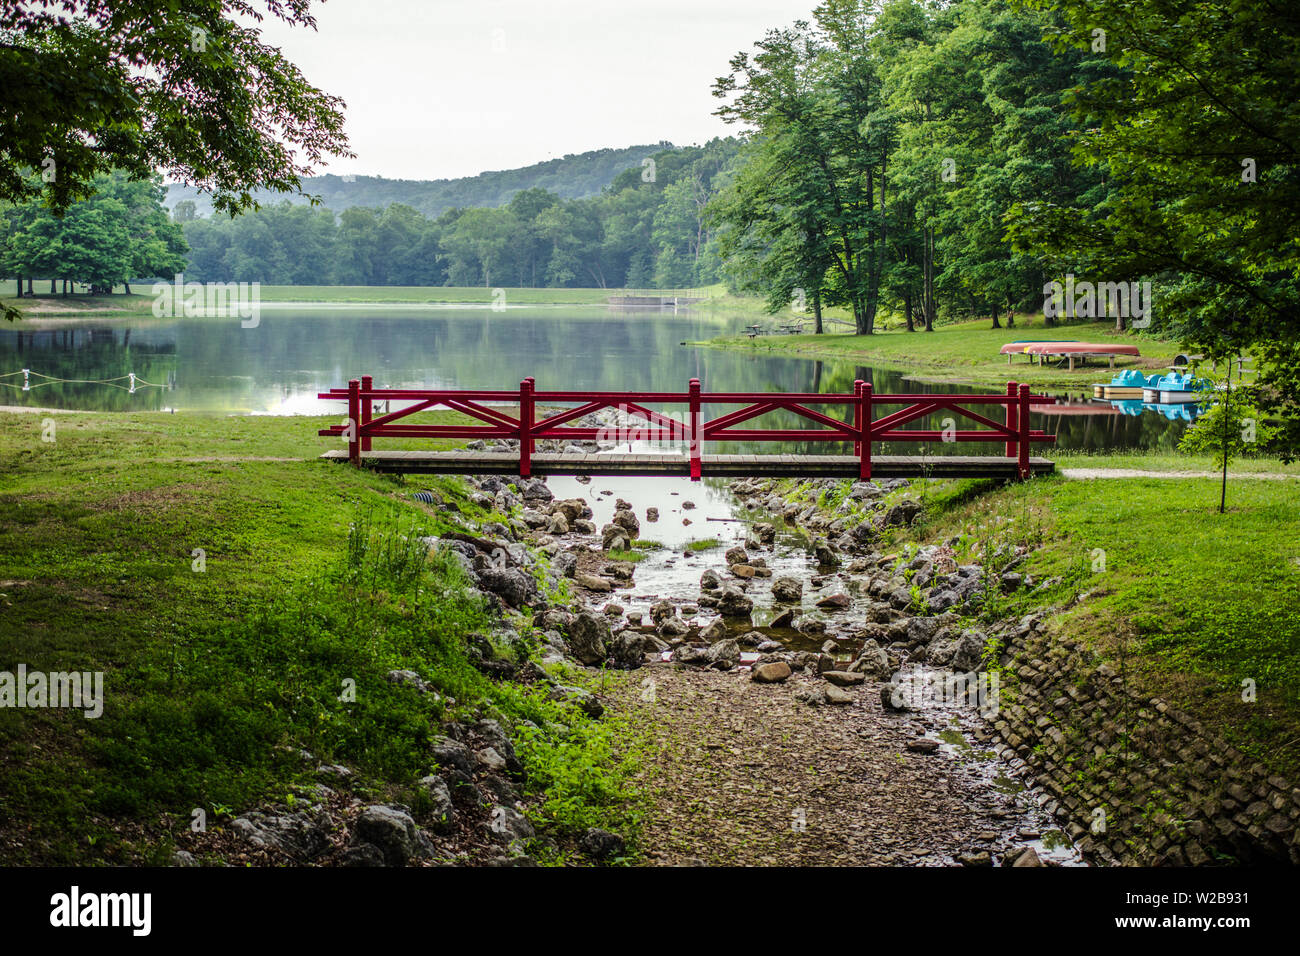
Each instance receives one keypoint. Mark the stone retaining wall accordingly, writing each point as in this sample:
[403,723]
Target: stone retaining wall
[1133,780]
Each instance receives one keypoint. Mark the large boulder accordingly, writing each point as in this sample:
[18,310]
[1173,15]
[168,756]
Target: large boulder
[589,637]
[452,753]
[660,611]
[871,661]
[627,521]
[772,672]
[442,811]
[733,603]
[515,586]
[969,654]
[565,564]
[787,590]
[627,650]
[614,538]
[903,513]
[393,832]
[737,555]
[725,654]
[572,509]
[300,835]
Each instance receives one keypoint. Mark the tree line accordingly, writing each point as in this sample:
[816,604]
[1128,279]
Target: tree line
[119,234]
[648,228]
[891,146]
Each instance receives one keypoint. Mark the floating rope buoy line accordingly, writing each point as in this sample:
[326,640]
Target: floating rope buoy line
[132,381]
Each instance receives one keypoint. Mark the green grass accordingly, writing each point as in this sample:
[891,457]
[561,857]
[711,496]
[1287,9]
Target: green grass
[1137,460]
[141,301]
[962,352]
[704,544]
[214,679]
[632,556]
[1193,602]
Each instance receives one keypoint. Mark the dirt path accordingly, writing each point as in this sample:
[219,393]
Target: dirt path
[743,764]
[1136,473]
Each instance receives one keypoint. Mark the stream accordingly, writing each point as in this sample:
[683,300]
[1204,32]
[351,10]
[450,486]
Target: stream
[705,512]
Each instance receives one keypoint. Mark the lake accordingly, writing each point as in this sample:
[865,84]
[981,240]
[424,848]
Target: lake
[213,365]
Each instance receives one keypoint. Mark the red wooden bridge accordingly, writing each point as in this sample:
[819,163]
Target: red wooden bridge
[513,415]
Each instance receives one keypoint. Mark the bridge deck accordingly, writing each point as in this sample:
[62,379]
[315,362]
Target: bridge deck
[715,466]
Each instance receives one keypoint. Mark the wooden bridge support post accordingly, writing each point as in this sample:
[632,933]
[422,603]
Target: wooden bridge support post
[1012,421]
[525,428]
[864,413]
[695,442]
[367,409]
[354,418]
[1024,432]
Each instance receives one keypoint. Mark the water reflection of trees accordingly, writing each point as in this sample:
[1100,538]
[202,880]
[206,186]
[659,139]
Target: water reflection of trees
[289,356]
[78,358]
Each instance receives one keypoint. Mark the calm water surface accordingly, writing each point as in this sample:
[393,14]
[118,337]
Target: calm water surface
[215,365]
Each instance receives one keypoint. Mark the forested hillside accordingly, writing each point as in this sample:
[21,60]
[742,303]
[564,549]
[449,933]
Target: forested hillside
[648,227]
[574,176]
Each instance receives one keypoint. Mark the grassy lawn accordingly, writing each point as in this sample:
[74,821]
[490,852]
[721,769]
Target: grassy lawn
[1191,602]
[1169,461]
[964,352]
[141,301]
[217,671]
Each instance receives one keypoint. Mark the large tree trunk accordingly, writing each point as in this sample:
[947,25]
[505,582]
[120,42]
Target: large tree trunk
[54,286]
[29,286]
[996,324]
[927,270]
[817,313]
[907,310]
[127,287]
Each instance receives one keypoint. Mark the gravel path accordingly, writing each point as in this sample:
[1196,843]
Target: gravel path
[743,764]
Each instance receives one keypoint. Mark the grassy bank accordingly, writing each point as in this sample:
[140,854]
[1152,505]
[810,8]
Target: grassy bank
[228,594]
[1189,603]
[963,352]
[716,300]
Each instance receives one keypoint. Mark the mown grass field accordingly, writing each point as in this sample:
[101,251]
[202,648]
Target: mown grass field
[141,301]
[965,351]
[218,673]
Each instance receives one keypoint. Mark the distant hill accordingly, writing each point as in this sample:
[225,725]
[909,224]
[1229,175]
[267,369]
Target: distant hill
[575,176]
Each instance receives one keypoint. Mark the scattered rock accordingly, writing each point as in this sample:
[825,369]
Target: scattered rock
[601,844]
[773,672]
[844,678]
[589,637]
[837,696]
[393,832]
[787,590]
[593,582]
[733,603]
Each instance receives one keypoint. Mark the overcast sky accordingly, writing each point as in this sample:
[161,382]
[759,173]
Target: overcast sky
[446,88]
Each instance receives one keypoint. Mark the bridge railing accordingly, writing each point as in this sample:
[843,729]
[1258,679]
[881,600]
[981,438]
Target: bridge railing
[492,410]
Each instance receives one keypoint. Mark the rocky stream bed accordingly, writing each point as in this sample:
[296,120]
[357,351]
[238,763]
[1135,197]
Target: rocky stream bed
[811,699]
